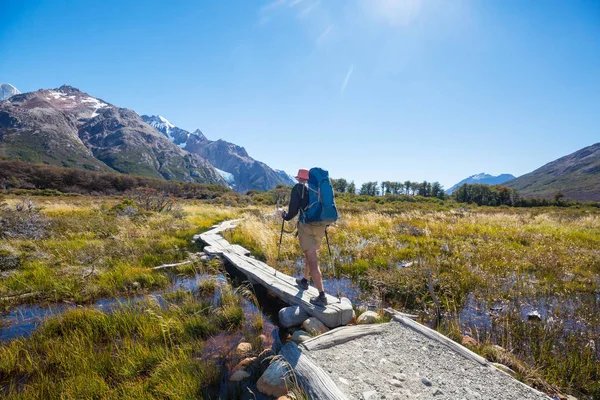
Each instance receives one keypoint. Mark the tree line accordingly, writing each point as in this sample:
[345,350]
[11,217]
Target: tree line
[16,174]
[424,189]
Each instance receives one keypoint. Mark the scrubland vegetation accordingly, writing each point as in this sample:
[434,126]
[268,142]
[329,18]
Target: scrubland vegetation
[486,268]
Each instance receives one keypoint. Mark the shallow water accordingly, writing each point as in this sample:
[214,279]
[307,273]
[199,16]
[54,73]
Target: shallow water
[22,320]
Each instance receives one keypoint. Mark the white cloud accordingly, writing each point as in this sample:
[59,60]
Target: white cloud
[325,33]
[394,12]
[348,75]
[307,10]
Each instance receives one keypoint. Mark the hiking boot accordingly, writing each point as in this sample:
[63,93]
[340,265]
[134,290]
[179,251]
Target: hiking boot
[303,283]
[319,300]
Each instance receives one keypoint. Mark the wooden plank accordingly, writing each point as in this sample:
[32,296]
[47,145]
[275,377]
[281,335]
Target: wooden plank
[341,335]
[337,312]
[315,382]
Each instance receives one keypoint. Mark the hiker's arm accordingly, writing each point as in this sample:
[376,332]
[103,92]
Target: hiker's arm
[294,204]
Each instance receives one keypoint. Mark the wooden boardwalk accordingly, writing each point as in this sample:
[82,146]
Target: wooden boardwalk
[337,312]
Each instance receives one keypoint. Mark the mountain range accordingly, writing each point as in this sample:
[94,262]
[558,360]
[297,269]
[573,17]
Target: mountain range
[483,179]
[234,164]
[70,128]
[576,175]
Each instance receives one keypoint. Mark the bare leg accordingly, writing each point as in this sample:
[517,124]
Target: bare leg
[306,271]
[313,265]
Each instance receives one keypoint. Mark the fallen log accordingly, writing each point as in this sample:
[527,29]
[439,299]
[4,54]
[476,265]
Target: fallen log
[310,377]
[341,335]
[172,265]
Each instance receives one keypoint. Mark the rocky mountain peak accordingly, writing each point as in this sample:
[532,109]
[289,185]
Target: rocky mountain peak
[66,89]
[7,90]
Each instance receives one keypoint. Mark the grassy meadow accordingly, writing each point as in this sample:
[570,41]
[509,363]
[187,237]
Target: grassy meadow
[487,268]
[88,248]
[482,269]
[91,248]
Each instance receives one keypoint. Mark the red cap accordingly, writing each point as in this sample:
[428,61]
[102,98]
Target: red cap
[302,174]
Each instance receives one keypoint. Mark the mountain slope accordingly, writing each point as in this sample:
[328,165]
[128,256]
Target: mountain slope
[70,128]
[7,90]
[483,179]
[576,175]
[235,165]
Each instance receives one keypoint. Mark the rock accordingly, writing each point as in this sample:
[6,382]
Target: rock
[369,395]
[204,258]
[368,317]
[426,381]
[263,339]
[135,285]
[399,376]
[534,316]
[292,316]
[244,348]
[438,392]
[300,336]
[313,325]
[246,363]
[468,341]
[344,381]
[240,375]
[275,380]
[395,382]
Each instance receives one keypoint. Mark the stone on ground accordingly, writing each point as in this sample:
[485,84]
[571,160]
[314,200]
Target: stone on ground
[244,348]
[275,380]
[368,317]
[240,375]
[314,326]
[246,363]
[292,316]
[300,336]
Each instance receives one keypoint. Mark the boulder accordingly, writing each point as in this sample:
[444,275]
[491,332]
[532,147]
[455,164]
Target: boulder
[300,336]
[240,375]
[314,326]
[468,341]
[292,316]
[244,348]
[368,317]
[246,363]
[276,379]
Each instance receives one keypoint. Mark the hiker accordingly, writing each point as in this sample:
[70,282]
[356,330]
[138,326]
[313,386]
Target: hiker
[309,236]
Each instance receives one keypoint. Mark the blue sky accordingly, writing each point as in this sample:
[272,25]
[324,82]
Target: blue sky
[368,89]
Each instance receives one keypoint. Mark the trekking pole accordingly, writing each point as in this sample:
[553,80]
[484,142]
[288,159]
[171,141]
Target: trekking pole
[332,264]
[280,239]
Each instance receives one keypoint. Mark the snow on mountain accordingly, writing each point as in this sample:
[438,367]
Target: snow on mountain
[228,176]
[161,124]
[285,175]
[483,179]
[7,90]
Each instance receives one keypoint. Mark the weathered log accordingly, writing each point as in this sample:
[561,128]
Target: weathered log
[341,335]
[172,265]
[310,377]
[391,312]
[438,337]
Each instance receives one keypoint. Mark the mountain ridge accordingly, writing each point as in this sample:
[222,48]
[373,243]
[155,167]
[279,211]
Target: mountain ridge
[482,178]
[237,167]
[576,175]
[70,128]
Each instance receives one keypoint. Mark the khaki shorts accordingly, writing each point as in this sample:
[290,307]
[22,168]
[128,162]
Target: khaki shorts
[310,236]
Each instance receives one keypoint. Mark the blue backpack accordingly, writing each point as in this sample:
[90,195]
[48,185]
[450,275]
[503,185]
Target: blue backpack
[321,204]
